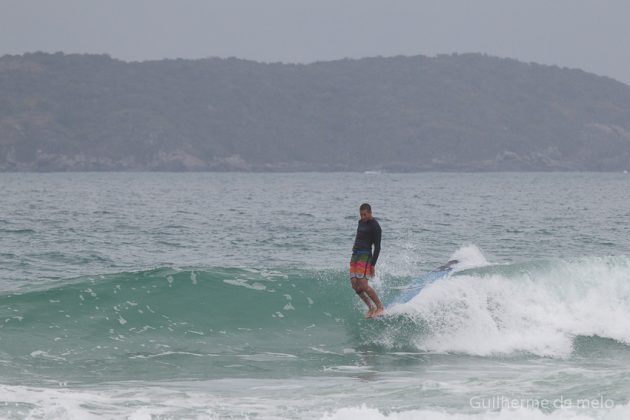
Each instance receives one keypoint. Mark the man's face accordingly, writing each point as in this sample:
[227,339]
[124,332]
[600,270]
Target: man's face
[365,215]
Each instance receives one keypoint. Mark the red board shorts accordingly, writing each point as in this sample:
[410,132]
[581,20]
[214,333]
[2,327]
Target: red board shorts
[360,266]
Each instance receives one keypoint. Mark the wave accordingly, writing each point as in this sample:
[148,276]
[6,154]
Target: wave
[554,308]
[577,412]
[120,325]
[178,303]
[188,400]
[536,307]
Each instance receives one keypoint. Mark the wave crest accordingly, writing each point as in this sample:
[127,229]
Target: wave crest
[535,307]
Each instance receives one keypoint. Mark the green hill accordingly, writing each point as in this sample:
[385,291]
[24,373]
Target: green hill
[457,112]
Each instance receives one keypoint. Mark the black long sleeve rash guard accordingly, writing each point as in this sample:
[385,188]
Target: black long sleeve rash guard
[368,234]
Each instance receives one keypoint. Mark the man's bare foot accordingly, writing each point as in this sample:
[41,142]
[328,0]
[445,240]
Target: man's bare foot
[378,311]
[370,312]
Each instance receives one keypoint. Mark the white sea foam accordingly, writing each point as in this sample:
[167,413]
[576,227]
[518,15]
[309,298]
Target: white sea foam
[533,308]
[366,413]
[246,284]
[45,355]
[247,398]
[142,403]
[469,256]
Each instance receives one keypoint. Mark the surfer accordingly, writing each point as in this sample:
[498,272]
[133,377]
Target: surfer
[364,259]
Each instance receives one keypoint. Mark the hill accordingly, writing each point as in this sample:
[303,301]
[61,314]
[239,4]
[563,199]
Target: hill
[467,112]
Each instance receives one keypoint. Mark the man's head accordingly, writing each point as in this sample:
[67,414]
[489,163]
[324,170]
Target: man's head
[365,211]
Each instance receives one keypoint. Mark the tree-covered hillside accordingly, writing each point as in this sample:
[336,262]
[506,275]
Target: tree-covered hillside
[458,112]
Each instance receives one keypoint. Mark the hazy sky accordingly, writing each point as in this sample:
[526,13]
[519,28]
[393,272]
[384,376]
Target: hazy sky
[592,35]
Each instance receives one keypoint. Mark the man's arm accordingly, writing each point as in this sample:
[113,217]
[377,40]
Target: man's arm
[377,243]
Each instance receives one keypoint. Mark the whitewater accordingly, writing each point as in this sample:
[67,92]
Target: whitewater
[207,295]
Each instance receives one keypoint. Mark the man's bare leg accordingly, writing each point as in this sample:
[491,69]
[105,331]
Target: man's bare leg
[368,302]
[357,285]
[379,306]
[377,309]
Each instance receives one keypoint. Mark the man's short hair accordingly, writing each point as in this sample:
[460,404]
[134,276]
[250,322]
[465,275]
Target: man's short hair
[365,206]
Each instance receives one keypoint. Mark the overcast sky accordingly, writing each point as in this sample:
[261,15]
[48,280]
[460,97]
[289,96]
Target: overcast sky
[591,35]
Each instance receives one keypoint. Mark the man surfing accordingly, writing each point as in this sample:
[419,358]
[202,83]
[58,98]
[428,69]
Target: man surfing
[364,259]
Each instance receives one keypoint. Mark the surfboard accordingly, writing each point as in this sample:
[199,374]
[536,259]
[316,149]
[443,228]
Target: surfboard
[419,283]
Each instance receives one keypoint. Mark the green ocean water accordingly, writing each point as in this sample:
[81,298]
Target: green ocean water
[206,295]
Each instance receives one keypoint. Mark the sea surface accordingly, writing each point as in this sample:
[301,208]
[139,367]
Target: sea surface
[226,295]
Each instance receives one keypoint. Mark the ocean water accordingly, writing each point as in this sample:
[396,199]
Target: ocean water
[226,295]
